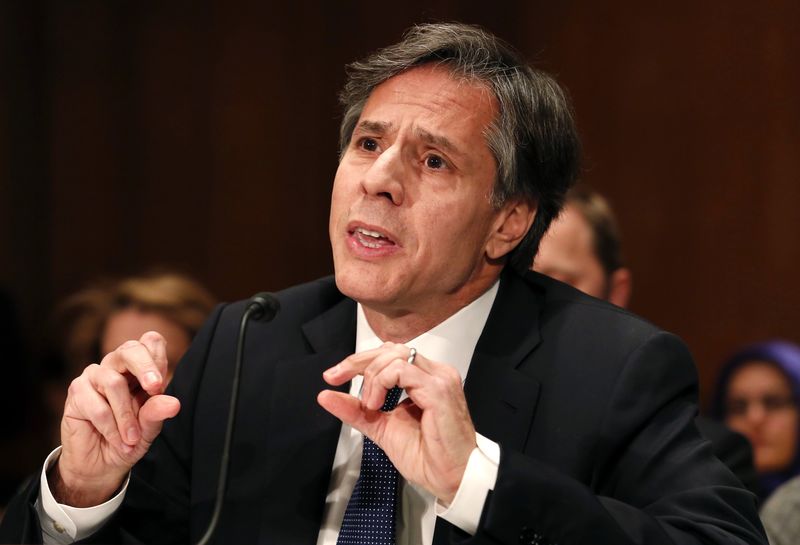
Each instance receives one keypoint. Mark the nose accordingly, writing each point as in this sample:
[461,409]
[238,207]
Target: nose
[385,177]
[747,420]
[755,414]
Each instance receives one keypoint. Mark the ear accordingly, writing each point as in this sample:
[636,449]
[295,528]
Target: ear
[510,227]
[619,287]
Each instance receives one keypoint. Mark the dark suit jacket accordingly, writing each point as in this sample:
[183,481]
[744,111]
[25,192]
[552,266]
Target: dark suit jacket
[733,449]
[592,406]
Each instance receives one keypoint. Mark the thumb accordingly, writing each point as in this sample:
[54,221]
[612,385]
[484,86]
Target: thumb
[153,413]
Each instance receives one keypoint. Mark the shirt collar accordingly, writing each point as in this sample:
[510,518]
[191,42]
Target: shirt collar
[453,341]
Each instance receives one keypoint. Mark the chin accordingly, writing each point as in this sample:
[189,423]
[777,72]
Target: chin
[361,285]
[768,464]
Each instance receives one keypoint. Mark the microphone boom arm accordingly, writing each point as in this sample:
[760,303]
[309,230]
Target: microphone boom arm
[262,307]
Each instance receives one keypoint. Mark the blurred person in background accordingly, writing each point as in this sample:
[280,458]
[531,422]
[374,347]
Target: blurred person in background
[756,395]
[96,320]
[583,249]
[781,514]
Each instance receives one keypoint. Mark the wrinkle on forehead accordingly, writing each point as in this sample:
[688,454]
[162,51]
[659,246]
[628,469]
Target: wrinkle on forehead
[452,100]
[463,84]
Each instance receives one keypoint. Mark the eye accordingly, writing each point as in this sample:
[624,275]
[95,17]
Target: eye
[737,407]
[435,162]
[368,144]
[773,403]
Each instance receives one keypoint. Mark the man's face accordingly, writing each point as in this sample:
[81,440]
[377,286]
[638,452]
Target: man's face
[566,253]
[410,212]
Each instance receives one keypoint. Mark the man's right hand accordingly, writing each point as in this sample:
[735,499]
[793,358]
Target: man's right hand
[113,413]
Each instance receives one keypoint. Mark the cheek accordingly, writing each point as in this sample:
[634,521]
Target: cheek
[335,200]
[591,285]
[448,236]
[340,184]
[593,278]
[462,222]
[739,425]
[337,213]
[113,337]
[784,433]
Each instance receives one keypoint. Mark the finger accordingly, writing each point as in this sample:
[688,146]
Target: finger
[134,357]
[154,412]
[349,367]
[397,373]
[371,390]
[139,399]
[156,344]
[115,389]
[84,403]
[356,363]
[349,410]
[441,387]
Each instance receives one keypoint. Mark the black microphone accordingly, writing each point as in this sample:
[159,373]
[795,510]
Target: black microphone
[262,307]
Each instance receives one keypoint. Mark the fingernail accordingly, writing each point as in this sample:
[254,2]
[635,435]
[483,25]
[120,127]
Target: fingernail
[150,378]
[332,371]
[133,434]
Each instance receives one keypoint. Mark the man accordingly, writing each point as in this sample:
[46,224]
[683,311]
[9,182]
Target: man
[582,248]
[573,424]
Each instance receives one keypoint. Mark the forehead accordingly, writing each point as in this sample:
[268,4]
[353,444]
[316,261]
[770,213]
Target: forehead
[757,374]
[433,101]
[130,321]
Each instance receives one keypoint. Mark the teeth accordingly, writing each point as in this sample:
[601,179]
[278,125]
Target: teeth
[370,244]
[373,234]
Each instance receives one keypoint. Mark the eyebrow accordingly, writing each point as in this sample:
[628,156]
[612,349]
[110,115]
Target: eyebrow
[437,140]
[382,127]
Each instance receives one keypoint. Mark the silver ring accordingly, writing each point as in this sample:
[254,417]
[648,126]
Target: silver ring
[412,355]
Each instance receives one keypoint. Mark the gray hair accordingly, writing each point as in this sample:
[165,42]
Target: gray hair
[533,139]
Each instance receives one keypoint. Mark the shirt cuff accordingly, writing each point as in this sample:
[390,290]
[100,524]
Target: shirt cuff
[479,478]
[64,524]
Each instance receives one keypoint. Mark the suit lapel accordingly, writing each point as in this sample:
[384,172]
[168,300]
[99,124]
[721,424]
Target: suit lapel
[501,396]
[302,436]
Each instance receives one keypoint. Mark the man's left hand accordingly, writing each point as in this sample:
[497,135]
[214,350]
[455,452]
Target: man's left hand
[429,436]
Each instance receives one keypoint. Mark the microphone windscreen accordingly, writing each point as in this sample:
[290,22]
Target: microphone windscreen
[263,306]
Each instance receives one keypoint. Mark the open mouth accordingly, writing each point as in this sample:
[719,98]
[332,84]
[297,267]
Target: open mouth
[371,239]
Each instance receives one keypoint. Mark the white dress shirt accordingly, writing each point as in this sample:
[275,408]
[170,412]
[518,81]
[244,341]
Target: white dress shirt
[453,342]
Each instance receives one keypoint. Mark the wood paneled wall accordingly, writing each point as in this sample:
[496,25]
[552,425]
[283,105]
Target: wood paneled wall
[202,135]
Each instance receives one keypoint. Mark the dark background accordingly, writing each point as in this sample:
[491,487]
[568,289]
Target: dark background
[202,135]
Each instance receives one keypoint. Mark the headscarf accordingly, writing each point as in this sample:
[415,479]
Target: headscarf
[785,356]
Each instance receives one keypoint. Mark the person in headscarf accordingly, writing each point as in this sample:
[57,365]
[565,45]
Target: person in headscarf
[757,395]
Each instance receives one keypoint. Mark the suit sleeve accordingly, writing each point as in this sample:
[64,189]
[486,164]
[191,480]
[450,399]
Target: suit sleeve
[20,523]
[655,481]
[733,449]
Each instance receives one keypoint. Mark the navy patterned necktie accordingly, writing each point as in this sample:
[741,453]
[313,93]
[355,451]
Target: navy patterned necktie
[370,515]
